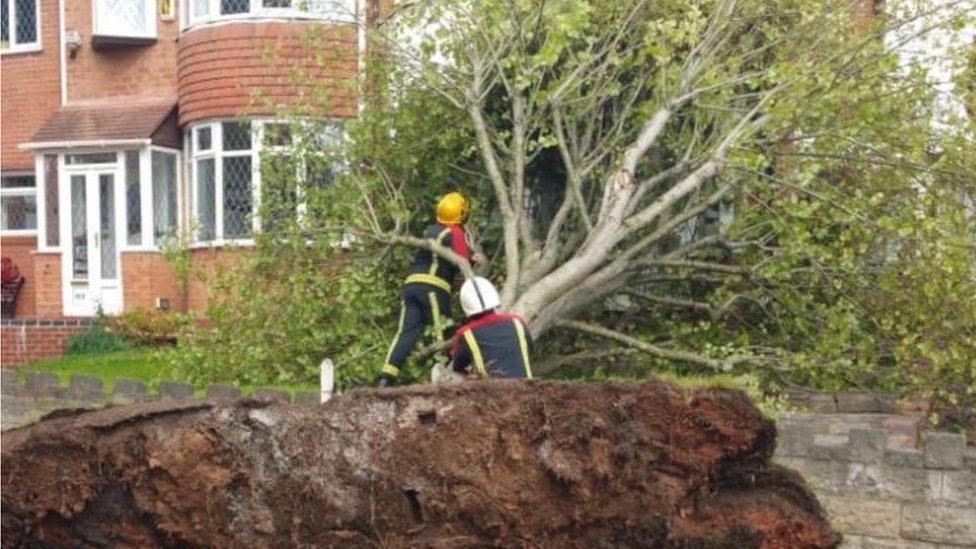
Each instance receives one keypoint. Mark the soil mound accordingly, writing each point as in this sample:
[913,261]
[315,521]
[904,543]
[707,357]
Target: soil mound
[494,463]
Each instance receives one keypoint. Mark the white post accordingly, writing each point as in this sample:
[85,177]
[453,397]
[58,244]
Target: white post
[326,380]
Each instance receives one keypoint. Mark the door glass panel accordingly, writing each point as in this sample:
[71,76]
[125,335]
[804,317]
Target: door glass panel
[79,228]
[106,225]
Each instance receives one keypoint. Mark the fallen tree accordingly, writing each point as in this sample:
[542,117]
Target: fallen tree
[495,463]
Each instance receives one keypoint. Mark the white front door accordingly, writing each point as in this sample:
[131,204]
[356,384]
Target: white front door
[91,251]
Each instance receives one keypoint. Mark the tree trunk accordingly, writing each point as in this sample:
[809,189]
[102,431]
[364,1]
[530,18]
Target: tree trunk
[502,463]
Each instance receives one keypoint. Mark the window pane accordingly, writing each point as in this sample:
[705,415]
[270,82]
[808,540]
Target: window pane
[277,3]
[206,199]
[133,199]
[5,22]
[79,229]
[92,158]
[18,213]
[203,139]
[164,194]
[17,181]
[237,196]
[318,175]
[279,196]
[121,17]
[200,7]
[237,136]
[26,21]
[51,199]
[230,7]
[277,135]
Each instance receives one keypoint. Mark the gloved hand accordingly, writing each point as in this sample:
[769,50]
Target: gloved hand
[386,381]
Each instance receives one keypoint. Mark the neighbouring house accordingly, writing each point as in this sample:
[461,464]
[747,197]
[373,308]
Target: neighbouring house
[125,120]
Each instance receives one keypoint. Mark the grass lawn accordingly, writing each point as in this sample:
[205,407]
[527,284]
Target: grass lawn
[139,364]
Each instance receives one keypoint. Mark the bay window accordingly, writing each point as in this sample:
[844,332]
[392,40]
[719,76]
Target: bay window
[223,160]
[18,204]
[238,165]
[20,24]
[201,11]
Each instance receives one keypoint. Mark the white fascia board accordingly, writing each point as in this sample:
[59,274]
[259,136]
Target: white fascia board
[98,143]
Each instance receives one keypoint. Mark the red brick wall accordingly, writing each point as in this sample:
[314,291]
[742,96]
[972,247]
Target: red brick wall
[146,276]
[19,248]
[30,91]
[47,292]
[221,67]
[112,70]
[204,264]
[35,339]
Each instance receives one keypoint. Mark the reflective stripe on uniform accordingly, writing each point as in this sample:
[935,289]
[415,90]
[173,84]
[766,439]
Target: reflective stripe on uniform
[390,369]
[524,345]
[430,279]
[435,312]
[434,258]
[479,361]
[396,338]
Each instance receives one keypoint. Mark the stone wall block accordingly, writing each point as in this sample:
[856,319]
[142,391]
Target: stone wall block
[85,387]
[272,394]
[863,517]
[794,439]
[830,447]
[904,457]
[944,450]
[868,445]
[8,383]
[175,390]
[306,398]
[939,524]
[221,391]
[868,542]
[42,384]
[958,488]
[129,390]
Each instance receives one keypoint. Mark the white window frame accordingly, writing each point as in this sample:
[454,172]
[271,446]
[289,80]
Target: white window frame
[256,10]
[217,153]
[257,150]
[146,198]
[150,32]
[14,47]
[23,191]
[147,243]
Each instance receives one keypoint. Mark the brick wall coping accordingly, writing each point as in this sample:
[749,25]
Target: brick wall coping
[47,385]
[32,322]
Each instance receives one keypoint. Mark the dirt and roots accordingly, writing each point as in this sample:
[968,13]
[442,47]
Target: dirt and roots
[495,463]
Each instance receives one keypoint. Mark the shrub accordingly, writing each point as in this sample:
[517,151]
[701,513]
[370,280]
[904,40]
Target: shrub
[97,338]
[147,327]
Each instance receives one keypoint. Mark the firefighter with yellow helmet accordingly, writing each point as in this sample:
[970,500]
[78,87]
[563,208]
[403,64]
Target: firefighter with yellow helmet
[427,289]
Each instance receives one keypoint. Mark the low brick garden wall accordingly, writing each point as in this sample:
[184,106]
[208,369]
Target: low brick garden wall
[24,340]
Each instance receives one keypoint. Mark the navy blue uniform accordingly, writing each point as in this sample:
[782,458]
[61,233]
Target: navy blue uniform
[427,294]
[494,345]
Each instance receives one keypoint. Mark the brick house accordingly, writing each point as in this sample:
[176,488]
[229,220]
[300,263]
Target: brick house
[126,120]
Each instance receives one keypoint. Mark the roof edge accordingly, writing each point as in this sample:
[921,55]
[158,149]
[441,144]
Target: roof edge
[96,143]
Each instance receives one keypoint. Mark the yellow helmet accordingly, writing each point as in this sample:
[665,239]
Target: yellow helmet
[451,208]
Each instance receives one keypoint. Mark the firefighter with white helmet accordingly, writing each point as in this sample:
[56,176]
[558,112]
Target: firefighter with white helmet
[490,343]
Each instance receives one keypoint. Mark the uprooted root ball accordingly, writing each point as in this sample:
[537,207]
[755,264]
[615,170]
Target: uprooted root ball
[502,463]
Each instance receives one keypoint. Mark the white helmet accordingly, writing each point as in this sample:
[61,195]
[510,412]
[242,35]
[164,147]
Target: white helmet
[478,295]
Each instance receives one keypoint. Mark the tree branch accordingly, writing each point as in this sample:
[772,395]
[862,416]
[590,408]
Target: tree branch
[718,365]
